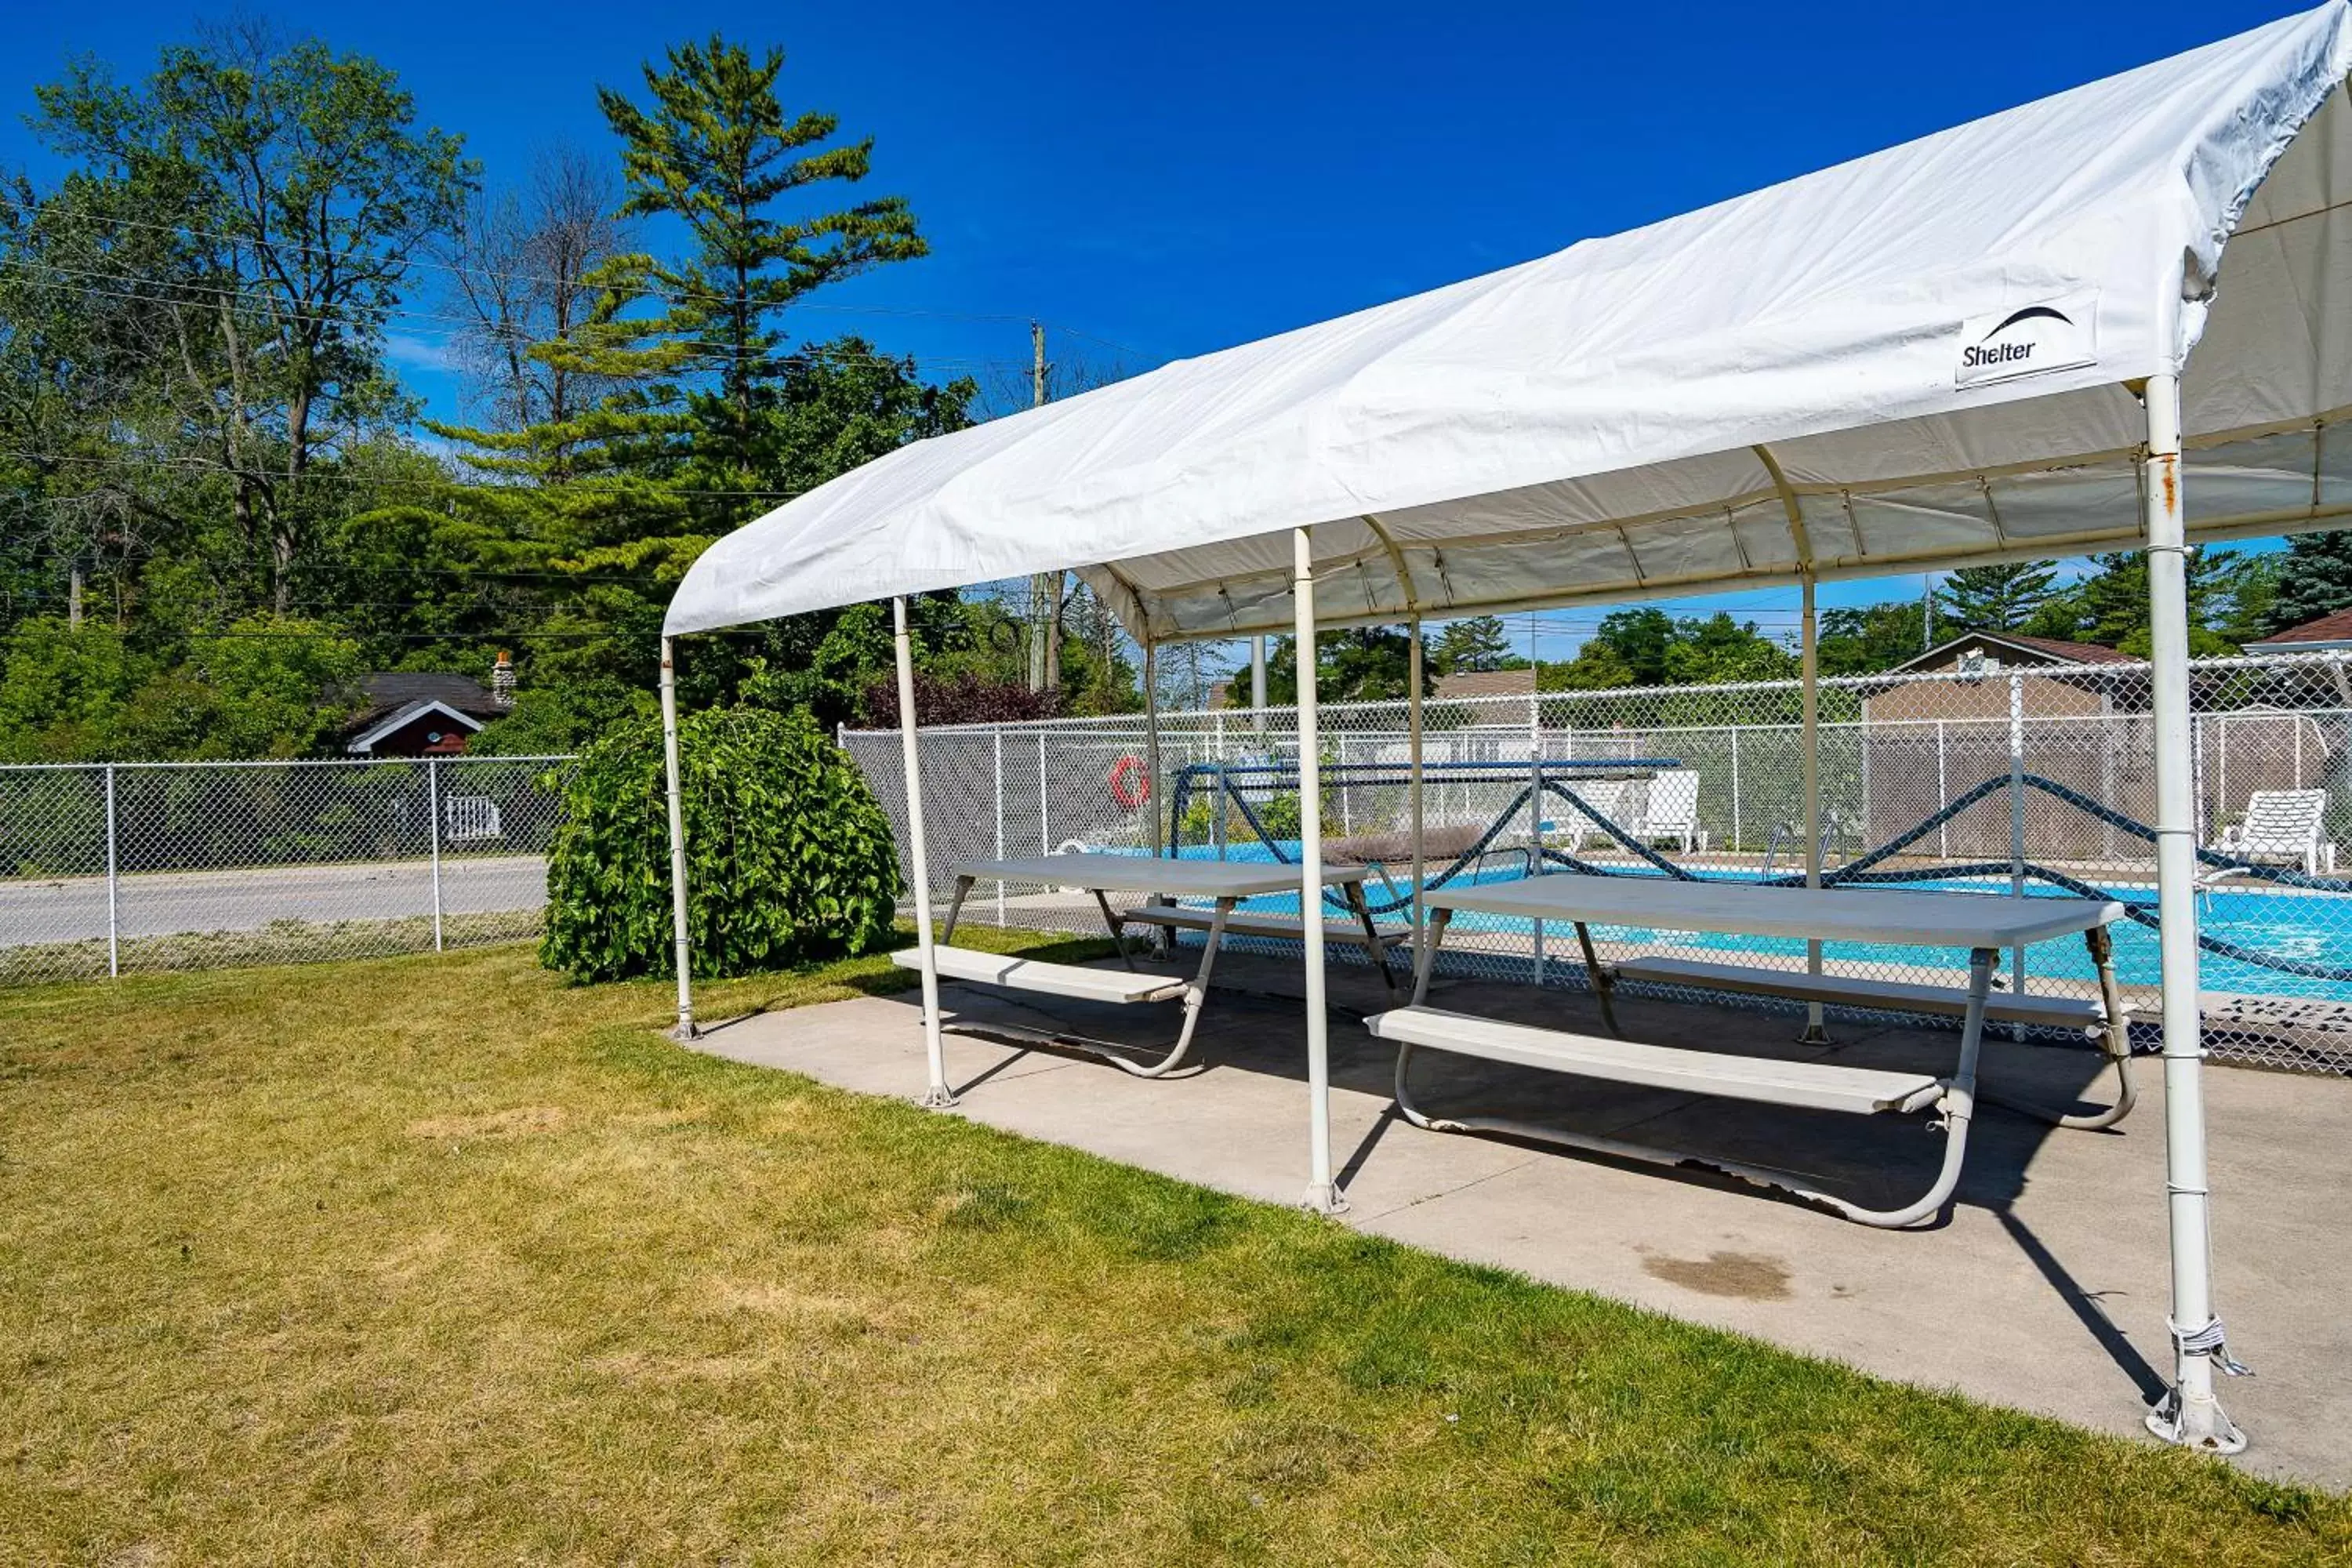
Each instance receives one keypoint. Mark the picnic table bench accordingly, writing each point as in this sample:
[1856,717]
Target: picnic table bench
[1160,881]
[1982,924]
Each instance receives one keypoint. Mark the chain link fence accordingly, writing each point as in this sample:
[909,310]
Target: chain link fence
[2040,780]
[109,869]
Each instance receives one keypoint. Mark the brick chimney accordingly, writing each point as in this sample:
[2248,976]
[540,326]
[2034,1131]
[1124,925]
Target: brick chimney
[502,680]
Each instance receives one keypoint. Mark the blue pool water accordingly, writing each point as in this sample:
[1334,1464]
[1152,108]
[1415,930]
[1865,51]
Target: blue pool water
[2311,927]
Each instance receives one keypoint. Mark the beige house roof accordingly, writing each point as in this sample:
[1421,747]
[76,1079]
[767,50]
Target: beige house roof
[1488,683]
[2021,648]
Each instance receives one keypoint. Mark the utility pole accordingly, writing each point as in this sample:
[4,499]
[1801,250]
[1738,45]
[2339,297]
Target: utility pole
[1927,611]
[73,596]
[1257,683]
[1045,587]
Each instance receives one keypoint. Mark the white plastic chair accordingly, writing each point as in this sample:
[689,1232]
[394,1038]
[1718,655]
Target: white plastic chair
[1605,796]
[1673,811]
[2281,825]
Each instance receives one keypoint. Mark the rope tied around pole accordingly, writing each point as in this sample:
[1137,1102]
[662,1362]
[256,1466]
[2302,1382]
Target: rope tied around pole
[2212,1343]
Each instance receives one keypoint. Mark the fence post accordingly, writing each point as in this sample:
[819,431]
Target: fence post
[998,737]
[433,815]
[1738,841]
[1347,803]
[2221,764]
[1044,824]
[2197,779]
[2017,823]
[2108,739]
[1943,798]
[113,928]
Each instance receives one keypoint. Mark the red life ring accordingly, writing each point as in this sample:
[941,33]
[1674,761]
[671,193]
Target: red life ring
[1130,784]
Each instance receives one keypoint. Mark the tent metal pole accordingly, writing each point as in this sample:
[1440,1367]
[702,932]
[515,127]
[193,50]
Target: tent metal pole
[938,1096]
[2188,1413]
[1257,687]
[1809,668]
[1413,757]
[1151,740]
[681,952]
[1323,1194]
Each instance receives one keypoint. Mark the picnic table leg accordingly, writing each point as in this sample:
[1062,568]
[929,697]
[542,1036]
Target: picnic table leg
[1354,894]
[1433,935]
[1599,976]
[1118,928]
[1957,1104]
[2115,1040]
[1195,996]
[955,908]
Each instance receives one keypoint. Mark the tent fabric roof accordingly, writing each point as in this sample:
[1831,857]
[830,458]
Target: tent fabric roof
[1917,358]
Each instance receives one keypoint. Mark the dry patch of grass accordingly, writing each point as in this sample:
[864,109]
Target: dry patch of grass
[442,1259]
[520,1121]
[279,942]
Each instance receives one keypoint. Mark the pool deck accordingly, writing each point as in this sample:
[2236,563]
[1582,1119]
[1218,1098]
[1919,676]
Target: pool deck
[2045,1291]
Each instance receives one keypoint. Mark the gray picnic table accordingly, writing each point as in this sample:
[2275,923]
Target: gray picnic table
[1159,882]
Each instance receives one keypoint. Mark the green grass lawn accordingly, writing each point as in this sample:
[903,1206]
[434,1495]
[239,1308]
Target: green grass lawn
[439,1259]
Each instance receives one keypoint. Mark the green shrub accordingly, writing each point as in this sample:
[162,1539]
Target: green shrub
[789,856]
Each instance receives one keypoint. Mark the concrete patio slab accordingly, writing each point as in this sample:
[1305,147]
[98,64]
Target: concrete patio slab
[2045,1290]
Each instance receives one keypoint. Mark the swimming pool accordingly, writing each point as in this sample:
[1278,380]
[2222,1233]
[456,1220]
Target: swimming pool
[2307,926]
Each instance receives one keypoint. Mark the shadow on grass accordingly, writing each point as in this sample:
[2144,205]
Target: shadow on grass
[877,974]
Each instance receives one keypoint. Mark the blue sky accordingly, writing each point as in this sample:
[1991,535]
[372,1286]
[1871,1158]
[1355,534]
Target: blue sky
[1174,180]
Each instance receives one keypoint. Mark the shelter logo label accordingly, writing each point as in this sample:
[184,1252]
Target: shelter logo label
[2031,340]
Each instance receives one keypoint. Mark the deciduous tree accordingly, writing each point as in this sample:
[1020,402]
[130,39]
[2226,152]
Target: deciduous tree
[302,185]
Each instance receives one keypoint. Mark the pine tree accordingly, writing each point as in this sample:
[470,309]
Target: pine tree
[1478,643]
[1996,598]
[2316,580]
[2109,606]
[717,151]
[705,421]
[1359,664]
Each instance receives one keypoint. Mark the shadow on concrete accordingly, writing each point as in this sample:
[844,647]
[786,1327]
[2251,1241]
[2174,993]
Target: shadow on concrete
[2088,1306]
[1254,1025]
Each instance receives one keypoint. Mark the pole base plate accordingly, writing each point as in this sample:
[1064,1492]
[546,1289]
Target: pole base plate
[2202,1426]
[1324,1198]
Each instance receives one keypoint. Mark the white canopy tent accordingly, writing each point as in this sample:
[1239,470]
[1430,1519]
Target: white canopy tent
[2021,338]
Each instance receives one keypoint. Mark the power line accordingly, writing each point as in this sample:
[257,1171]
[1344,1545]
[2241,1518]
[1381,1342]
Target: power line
[690,296]
[685,355]
[390,481]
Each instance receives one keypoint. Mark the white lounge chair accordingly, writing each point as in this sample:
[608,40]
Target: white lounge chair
[2281,825]
[1673,811]
[1605,796]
